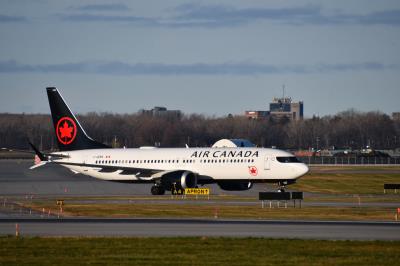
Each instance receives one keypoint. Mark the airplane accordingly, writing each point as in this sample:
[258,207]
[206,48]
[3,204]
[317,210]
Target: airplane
[169,169]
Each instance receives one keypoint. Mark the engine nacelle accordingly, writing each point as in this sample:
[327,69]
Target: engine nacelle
[179,180]
[235,185]
[188,180]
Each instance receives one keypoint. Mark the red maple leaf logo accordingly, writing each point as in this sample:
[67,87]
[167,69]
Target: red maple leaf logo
[253,170]
[66,130]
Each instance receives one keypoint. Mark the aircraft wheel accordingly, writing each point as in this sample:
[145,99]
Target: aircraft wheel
[157,190]
[161,190]
[154,190]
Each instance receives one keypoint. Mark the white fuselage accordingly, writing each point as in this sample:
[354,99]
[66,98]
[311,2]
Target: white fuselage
[253,164]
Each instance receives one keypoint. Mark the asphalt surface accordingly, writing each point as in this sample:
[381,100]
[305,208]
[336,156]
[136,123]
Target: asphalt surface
[197,227]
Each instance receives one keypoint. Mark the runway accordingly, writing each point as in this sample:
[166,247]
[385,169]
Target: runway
[199,227]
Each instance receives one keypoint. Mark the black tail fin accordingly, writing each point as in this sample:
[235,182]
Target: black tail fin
[70,134]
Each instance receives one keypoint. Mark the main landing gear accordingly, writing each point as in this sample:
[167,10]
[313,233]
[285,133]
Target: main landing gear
[157,190]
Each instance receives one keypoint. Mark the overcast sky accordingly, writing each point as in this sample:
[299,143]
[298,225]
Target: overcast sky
[209,57]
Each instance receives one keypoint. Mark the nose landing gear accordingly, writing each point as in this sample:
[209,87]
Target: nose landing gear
[282,186]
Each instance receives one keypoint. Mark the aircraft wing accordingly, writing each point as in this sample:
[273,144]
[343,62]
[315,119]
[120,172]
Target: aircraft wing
[124,170]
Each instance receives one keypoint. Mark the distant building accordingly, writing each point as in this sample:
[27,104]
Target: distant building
[396,116]
[257,114]
[284,107]
[159,111]
[280,108]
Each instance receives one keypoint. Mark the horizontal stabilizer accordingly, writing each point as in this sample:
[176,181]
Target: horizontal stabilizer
[38,165]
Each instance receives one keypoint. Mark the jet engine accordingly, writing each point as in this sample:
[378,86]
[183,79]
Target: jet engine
[235,185]
[179,180]
[188,180]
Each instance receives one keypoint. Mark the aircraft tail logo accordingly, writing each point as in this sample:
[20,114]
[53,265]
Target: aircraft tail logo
[66,130]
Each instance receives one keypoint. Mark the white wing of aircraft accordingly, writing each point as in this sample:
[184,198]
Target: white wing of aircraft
[167,168]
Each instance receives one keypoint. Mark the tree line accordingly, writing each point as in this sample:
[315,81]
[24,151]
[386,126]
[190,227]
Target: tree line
[348,129]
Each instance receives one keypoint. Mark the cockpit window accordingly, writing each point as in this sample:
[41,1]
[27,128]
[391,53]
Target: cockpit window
[289,159]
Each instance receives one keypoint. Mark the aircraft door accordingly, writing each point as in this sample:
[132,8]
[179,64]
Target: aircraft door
[267,163]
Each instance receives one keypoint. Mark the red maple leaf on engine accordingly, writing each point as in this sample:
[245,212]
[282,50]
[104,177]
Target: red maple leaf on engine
[66,131]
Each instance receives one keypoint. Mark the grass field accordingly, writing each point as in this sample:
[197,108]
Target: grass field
[349,167]
[346,183]
[194,251]
[221,211]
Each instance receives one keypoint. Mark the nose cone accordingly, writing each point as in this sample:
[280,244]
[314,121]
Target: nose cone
[302,169]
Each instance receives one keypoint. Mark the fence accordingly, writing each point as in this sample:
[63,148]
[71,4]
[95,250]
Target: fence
[351,160]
